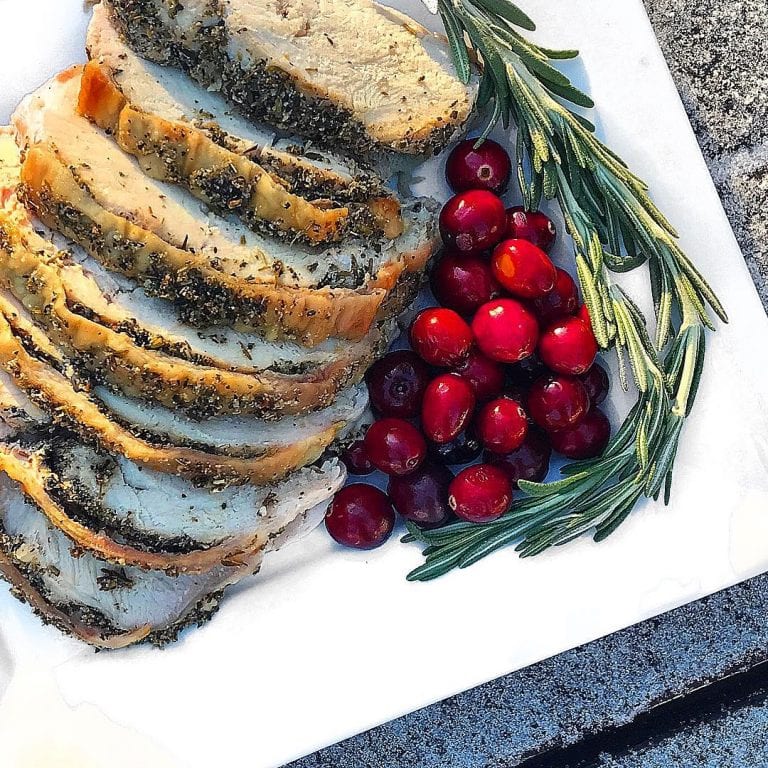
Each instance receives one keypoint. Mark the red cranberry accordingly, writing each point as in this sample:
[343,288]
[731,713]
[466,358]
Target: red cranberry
[396,384]
[487,167]
[463,449]
[557,402]
[447,409]
[505,330]
[523,269]
[502,425]
[486,376]
[422,497]
[356,459]
[597,384]
[395,446]
[360,516]
[583,314]
[533,226]
[568,346]
[529,462]
[441,337]
[463,283]
[585,440]
[562,300]
[473,221]
[480,494]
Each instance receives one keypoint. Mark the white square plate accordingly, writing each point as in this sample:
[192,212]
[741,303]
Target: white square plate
[329,643]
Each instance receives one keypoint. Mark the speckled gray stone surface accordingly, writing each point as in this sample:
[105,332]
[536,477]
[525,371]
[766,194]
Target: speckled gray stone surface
[718,53]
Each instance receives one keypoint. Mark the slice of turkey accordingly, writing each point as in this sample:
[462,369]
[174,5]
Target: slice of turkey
[122,340]
[228,450]
[104,604]
[78,181]
[352,75]
[168,93]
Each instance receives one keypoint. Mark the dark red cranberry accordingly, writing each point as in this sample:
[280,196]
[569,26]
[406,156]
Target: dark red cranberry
[480,494]
[486,376]
[524,373]
[447,409]
[533,226]
[502,425]
[597,383]
[505,330]
[568,346]
[396,384]
[485,167]
[463,283]
[463,449]
[585,440]
[523,269]
[557,402]
[395,446]
[529,462]
[583,314]
[473,221]
[360,516]
[356,459]
[562,300]
[441,337]
[422,497]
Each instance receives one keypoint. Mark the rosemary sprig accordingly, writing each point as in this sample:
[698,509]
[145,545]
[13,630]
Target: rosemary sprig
[615,228]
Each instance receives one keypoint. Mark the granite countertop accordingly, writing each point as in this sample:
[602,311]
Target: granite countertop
[616,702]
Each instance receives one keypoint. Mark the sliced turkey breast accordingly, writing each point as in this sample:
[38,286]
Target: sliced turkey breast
[171,95]
[230,450]
[218,272]
[184,133]
[351,75]
[110,340]
[65,482]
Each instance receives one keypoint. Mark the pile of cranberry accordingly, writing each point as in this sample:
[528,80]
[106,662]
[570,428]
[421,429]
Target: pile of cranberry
[503,371]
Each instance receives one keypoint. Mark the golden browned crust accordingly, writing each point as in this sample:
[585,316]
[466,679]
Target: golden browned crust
[79,412]
[178,152]
[309,316]
[33,275]
[29,471]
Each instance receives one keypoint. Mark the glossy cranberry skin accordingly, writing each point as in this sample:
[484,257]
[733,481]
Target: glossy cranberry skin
[480,493]
[502,425]
[360,516]
[463,449]
[533,226]
[395,446]
[487,167]
[441,337]
[396,384]
[562,300]
[448,405]
[583,314]
[505,330]
[556,402]
[523,269]
[422,497]
[586,440]
[597,383]
[486,376]
[463,283]
[529,462]
[473,221]
[568,346]
[357,460]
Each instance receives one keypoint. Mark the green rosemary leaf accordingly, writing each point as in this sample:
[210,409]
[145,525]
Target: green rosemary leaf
[552,53]
[508,11]
[570,93]
[459,52]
